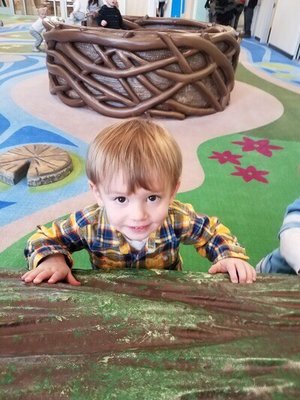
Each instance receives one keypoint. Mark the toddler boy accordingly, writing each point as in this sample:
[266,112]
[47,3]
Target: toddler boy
[134,169]
[37,28]
[109,15]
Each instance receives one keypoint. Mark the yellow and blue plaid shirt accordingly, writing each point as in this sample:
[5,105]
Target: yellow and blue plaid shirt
[89,229]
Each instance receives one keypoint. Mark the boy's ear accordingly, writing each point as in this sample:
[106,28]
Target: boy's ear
[175,190]
[96,192]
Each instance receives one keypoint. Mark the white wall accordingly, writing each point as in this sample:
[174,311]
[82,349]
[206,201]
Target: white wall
[263,20]
[200,13]
[285,33]
[136,7]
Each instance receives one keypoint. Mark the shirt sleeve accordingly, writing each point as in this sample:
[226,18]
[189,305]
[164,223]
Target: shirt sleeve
[289,235]
[100,16]
[63,237]
[291,217]
[120,19]
[210,238]
[290,248]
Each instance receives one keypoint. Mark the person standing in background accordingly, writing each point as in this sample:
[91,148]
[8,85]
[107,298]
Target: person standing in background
[225,10]
[79,11]
[210,5]
[248,16]
[37,28]
[161,8]
[239,8]
[93,7]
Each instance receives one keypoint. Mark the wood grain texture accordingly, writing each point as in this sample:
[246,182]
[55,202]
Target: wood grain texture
[40,163]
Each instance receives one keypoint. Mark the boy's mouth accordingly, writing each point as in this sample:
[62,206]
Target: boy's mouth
[139,228]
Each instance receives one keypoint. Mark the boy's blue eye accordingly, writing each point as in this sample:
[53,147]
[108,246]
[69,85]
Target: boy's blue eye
[153,197]
[121,199]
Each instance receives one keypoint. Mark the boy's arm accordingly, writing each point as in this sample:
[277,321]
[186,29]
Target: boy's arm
[49,249]
[214,241]
[100,17]
[63,237]
[227,254]
[120,19]
[290,248]
[290,236]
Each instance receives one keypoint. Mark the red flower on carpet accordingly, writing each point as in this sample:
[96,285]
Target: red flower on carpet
[251,173]
[262,146]
[226,157]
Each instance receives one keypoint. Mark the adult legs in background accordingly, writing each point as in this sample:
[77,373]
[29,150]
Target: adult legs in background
[224,19]
[238,11]
[248,16]
[161,8]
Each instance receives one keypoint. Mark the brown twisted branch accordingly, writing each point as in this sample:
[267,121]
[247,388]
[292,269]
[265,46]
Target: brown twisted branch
[172,73]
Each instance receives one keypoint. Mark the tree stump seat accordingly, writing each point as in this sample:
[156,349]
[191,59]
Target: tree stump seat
[40,163]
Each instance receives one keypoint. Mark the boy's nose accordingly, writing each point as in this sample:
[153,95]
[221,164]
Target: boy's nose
[138,212]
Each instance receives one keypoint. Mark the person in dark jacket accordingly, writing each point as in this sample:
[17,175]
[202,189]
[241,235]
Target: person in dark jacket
[239,8]
[210,6]
[109,15]
[248,16]
[224,11]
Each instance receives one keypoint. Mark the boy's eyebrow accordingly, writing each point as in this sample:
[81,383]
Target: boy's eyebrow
[126,193]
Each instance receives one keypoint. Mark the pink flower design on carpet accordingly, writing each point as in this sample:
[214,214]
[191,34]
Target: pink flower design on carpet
[262,146]
[251,173]
[226,157]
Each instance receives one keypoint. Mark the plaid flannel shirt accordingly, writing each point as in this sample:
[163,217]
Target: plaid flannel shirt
[89,229]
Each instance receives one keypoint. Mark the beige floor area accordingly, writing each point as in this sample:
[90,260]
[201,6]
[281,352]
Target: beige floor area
[249,108]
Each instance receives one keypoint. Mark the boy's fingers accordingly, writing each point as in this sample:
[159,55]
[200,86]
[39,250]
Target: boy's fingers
[56,277]
[41,276]
[72,280]
[29,276]
[242,273]
[233,274]
[216,268]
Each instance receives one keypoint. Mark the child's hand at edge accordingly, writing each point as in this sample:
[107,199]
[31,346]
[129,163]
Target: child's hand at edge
[238,270]
[52,269]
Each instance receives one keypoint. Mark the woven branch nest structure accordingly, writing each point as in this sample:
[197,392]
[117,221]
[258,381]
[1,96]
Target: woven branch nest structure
[159,66]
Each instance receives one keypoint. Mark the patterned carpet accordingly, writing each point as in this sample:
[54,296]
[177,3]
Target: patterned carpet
[241,165]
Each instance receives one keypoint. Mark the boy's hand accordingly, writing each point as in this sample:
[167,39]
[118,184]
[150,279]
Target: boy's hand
[238,270]
[53,269]
[103,22]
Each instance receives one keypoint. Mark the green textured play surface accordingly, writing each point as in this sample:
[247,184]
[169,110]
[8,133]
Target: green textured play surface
[143,335]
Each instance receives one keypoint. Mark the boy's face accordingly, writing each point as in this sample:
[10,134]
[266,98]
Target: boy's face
[43,12]
[135,215]
[112,3]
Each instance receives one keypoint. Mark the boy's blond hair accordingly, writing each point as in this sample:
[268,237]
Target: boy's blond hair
[144,152]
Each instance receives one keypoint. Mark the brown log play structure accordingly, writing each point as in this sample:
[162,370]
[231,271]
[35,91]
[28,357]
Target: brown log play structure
[161,67]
